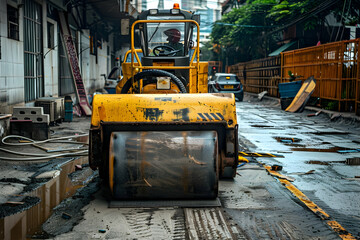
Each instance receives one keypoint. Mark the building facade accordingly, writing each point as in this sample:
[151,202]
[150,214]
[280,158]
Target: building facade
[209,11]
[33,61]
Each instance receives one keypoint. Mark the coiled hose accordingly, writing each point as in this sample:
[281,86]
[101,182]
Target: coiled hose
[37,156]
[153,73]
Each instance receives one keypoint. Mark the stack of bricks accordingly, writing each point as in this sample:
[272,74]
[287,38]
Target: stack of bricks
[30,122]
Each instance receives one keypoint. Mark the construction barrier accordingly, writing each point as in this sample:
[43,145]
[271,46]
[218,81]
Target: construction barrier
[259,75]
[333,65]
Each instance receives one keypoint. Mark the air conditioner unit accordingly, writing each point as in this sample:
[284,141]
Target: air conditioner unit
[54,106]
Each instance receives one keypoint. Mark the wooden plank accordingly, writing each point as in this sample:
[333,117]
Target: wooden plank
[302,96]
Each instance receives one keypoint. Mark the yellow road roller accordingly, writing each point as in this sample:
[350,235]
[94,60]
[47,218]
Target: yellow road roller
[163,136]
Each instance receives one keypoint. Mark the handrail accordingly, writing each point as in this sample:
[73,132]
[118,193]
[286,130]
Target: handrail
[134,53]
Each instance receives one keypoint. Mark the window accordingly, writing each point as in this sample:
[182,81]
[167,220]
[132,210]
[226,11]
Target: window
[50,33]
[13,22]
[228,78]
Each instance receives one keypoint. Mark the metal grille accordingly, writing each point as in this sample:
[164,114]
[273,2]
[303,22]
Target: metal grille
[33,55]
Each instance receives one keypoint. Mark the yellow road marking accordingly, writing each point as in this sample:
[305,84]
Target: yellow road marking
[242,159]
[343,234]
[254,154]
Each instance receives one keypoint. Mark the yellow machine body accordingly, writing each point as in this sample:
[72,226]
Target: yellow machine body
[154,143]
[164,108]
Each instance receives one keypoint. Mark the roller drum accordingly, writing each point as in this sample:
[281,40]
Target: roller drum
[163,165]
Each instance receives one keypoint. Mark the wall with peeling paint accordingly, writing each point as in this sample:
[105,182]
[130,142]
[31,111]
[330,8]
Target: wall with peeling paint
[11,62]
[12,59]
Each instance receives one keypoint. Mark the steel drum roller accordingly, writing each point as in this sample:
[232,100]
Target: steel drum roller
[164,165]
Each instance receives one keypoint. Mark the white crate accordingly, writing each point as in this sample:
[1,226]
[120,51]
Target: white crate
[34,118]
[28,111]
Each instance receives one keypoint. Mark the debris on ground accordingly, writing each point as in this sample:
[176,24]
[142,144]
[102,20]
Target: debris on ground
[303,96]
[317,162]
[276,167]
[14,203]
[356,178]
[314,114]
[65,215]
[303,173]
[278,175]
[335,116]
[349,151]
[353,161]
[287,139]
[78,167]
[261,95]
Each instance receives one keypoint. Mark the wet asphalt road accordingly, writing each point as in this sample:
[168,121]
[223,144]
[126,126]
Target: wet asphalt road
[254,205]
[318,145]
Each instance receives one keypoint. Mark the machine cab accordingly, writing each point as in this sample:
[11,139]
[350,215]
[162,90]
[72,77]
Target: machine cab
[167,43]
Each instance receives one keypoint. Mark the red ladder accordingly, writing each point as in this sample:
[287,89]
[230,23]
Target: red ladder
[74,65]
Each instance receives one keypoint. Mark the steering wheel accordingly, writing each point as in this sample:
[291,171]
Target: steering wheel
[164,50]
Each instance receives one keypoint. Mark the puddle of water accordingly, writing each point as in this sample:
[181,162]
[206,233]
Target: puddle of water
[261,126]
[323,163]
[287,139]
[330,133]
[332,149]
[317,162]
[24,224]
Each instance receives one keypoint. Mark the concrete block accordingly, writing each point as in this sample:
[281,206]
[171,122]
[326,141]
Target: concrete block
[28,111]
[29,129]
[41,131]
[34,118]
[21,128]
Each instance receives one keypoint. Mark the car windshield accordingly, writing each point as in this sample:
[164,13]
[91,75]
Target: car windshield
[166,37]
[228,78]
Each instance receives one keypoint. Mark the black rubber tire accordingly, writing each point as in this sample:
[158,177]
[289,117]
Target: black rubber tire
[153,73]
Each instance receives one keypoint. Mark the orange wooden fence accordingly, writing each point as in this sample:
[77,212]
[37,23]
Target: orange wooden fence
[335,67]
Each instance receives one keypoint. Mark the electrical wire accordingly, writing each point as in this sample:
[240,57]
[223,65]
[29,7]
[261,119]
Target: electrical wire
[31,141]
[39,156]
